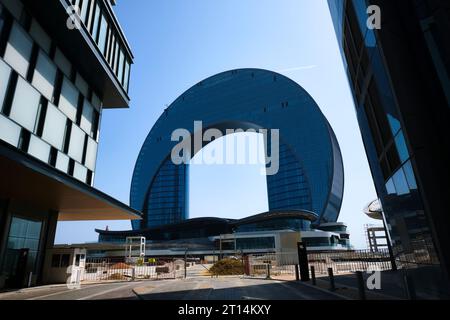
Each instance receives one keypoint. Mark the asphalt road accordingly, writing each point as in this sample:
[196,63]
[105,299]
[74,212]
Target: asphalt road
[192,288]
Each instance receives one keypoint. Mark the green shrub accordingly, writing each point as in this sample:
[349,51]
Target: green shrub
[227,267]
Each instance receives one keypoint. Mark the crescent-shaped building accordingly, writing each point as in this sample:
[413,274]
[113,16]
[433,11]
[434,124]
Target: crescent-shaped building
[310,176]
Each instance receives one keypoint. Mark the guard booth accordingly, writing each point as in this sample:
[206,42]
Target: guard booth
[65,265]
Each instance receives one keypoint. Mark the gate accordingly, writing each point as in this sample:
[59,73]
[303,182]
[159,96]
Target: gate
[101,269]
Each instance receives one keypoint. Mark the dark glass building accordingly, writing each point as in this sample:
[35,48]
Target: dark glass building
[310,175]
[293,220]
[56,78]
[399,76]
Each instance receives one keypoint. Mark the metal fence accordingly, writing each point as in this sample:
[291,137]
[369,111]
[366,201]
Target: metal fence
[284,263]
[350,261]
[97,269]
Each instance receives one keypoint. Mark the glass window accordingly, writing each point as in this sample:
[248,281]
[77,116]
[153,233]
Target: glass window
[18,50]
[63,63]
[394,123]
[14,6]
[5,72]
[89,16]
[87,117]
[65,260]
[96,102]
[39,149]
[102,35]
[401,185]
[126,76]
[68,101]
[116,56]
[62,162]
[56,258]
[111,50]
[84,10]
[82,85]
[25,105]
[79,172]
[54,127]
[96,22]
[121,62]
[40,36]
[9,131]
[23,234]
[91,154]
[44,76]
[402,149]
[390,188]
[409,173]
[76,143]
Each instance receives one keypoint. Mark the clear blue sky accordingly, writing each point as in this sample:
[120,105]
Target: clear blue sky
[180,42]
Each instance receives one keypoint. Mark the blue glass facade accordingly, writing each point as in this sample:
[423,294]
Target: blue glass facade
[377,64]
[310,175]
[166,202]
[288,189]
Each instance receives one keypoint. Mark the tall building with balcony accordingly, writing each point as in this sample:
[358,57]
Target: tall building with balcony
[62,63]
[400,79]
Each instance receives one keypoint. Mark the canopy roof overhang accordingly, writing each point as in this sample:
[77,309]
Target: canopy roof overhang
[26,179]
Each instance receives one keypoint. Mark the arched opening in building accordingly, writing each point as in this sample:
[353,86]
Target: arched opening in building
[227,177]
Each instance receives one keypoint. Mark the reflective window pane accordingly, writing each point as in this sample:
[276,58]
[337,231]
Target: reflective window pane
[14,6]
[96,22]
[91,154]
[76,145]
[40,36]
[102,35]
[68,101]
[409,173]
[126,76]
[116,56]
[402,149]
[390,188]
[5,72]
[120,70]
[23,234]
[54,127]
[63,63]
[401,185]
[44,76]
[9,131]
[96,102]
[18,50]
[394,123]
[87,117]
[39,149]
[84,10]
[80,172]
[82,85]
[62,162]
[25,105]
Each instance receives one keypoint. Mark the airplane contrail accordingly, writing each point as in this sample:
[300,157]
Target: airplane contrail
[298,68]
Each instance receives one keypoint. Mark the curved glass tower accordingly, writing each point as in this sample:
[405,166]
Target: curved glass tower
[310,175]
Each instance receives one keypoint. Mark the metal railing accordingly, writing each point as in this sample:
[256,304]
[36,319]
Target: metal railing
[284,263]
[350,261]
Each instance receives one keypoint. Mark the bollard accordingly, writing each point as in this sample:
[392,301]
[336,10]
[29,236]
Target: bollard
[297,275]
[313,275]
[268,271]
[133,274]
[361,286]
[331,276]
